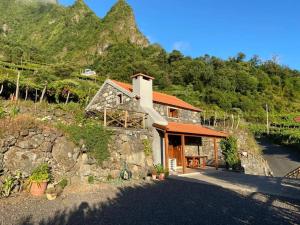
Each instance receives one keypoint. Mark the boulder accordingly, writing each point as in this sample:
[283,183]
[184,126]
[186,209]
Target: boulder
[61,150]
[16,159]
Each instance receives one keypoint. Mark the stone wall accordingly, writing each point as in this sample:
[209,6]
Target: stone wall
[204,147]
[127,146]
[108,98]
[27,148]
[250,154]
[185,116]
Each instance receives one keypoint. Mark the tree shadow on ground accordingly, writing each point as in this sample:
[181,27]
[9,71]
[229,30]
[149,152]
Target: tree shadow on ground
[175,202]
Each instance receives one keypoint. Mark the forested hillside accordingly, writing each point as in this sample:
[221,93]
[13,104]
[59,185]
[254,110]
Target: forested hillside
[68,39]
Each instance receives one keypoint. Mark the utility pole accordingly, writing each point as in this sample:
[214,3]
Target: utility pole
[267,111]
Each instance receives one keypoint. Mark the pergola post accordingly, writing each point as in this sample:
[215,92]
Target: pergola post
[166,151]
[183,152]
[216,153]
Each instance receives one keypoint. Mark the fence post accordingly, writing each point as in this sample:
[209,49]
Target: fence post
[126,115]
[104,119]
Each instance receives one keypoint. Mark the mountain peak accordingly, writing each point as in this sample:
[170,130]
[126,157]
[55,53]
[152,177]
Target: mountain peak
[121,20]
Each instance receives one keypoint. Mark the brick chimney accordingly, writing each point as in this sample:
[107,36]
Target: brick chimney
[142,87]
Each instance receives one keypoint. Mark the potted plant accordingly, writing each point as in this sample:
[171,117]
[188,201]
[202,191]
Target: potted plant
[39,179]
[154,174]
[160,171]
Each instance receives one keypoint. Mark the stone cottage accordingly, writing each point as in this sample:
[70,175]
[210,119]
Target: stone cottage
[179,139]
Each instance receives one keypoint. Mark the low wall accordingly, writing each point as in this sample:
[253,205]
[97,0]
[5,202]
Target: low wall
[24,149]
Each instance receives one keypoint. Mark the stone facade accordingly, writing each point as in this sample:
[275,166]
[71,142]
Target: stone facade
[184,115]
[108,97]
[127,147]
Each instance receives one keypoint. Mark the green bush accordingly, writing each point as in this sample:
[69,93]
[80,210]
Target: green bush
[230,151]
[63,183]
[91,179]
[94,136]
[147,147]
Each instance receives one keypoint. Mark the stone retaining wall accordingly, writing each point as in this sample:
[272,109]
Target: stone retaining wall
[26,149]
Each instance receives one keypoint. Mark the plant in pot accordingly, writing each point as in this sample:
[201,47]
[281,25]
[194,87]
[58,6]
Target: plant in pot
[160,171]
[39,179]
[154,174]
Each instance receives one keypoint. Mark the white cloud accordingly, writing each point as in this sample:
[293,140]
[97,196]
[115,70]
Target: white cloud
[181,45]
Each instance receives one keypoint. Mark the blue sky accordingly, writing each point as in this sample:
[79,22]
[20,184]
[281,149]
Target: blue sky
[217,27]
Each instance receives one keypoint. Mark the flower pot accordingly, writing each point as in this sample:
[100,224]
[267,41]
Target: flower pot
[38,189]
[161,176]
[51,196]
[154,176]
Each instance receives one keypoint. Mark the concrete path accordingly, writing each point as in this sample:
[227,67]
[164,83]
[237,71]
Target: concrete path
[246,183]
[281,159]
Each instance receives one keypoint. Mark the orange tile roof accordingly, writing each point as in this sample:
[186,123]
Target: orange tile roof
[162,98]
[297,119]
[194,129]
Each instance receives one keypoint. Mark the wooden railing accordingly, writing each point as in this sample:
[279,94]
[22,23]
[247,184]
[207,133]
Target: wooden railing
[113,117]
[295,174]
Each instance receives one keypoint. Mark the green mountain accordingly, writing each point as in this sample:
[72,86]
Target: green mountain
[64,40]
[41,30]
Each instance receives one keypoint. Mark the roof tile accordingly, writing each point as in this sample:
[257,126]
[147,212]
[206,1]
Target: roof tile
[162,98]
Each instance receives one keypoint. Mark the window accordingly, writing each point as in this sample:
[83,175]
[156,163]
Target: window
[172,112]
[119,99]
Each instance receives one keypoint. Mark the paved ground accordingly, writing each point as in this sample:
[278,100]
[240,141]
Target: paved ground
[281,159]
[170,202]
[277,186]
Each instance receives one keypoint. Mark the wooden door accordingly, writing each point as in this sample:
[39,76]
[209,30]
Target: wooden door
[175,149]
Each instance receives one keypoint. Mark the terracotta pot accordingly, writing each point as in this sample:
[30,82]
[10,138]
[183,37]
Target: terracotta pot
[38,189]
[154,176]
[161,176]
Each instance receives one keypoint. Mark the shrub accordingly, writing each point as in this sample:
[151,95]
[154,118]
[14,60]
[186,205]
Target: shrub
[91,179]
[7,186]
[63,183]
[147,147]
[230,151]
[94,136]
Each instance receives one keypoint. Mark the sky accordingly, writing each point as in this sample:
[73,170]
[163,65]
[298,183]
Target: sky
[268,28]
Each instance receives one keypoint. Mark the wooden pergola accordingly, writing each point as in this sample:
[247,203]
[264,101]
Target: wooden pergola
[189,130]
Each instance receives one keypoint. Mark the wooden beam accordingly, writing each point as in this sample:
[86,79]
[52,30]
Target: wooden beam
[126,117]
[104,120]
[166,151]
[183,153]
[216,153]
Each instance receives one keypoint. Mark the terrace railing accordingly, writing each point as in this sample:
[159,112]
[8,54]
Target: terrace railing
[295,174]
[113,117]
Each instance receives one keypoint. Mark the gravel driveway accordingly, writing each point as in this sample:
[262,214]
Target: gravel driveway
[169,202]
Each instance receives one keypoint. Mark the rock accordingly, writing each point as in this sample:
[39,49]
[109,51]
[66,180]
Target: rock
[10,140]
[24,133]
[115,174]
[137,158]
[3,149]
[18,159]
[60,152]
[31,143]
